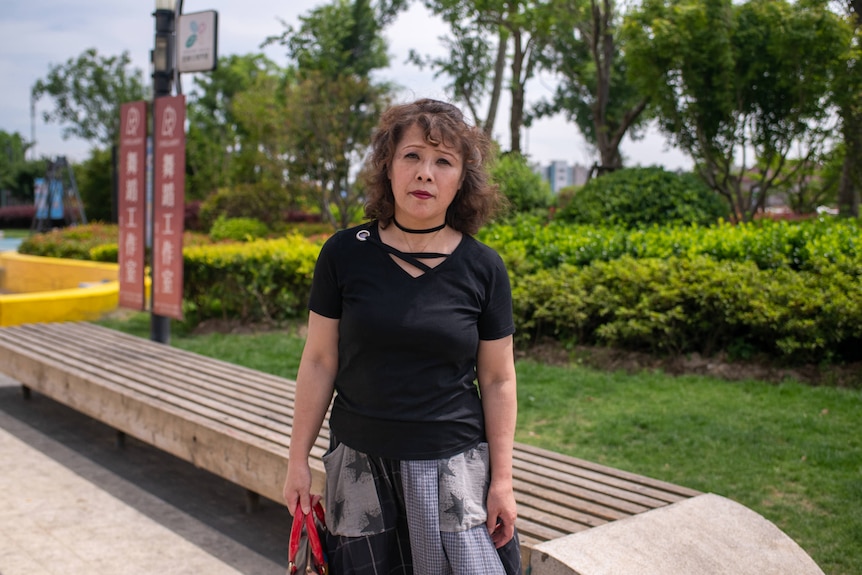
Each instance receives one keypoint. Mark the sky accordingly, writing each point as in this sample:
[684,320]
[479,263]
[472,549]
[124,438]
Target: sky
[35,34]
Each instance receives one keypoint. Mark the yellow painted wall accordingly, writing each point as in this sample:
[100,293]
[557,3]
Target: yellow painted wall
[25,274]
[49,289]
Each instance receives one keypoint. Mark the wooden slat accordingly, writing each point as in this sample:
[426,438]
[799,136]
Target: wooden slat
[236,422]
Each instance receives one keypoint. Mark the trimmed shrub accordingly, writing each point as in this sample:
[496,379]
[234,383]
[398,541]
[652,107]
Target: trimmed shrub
[524,189]
[238,229]
[108,253]
[682,305]
[528,244]
[88,242]
[636,197]
[267,204]
[264,280]
[73,242]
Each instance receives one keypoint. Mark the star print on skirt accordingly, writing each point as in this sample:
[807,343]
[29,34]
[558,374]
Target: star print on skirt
[353,506]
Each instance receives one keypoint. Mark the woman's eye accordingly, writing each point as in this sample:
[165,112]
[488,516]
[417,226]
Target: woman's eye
[411,155]
[443,161]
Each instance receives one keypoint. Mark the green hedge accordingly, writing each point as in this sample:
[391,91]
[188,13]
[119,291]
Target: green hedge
[238,229]
[73,243]
[681,305]
[97,242]
[264,280]
[635,197]
[529,244]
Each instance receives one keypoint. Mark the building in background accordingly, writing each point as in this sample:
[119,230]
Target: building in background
[561,174]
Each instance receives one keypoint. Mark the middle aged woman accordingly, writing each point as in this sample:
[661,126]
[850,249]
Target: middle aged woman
[407,314]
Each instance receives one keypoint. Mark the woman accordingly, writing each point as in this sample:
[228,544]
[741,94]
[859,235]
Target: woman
[406,313]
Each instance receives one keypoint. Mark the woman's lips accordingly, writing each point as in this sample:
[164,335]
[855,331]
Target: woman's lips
[421,194]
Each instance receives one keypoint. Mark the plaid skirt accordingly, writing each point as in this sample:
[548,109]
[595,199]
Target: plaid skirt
[397,517]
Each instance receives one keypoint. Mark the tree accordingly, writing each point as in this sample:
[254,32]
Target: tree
[93,177]
[525,190]
[475,75]
[334,105]
[594,92]
[16,172]
[330,133]
[219,147]
[88,92]
[731,79]
[848,97]
[523,25]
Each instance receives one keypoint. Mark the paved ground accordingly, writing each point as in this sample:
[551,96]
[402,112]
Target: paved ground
[73,503]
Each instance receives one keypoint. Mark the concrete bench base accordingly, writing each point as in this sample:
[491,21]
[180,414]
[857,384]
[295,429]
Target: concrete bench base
[704,535]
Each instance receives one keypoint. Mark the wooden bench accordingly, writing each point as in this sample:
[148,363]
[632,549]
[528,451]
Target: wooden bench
[236,422]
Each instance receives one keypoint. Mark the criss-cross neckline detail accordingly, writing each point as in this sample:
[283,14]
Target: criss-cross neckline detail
[412,258]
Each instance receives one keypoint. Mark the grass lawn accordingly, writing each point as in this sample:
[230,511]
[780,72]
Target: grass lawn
[16,233]
[789,451]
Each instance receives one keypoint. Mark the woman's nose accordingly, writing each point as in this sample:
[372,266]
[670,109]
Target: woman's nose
[424,172]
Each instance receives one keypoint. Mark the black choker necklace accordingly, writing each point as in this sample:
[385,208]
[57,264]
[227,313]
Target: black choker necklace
[411,231]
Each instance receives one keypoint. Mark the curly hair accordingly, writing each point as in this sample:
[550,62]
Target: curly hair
[475,203]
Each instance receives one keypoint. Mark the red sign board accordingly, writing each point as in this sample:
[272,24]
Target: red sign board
[132,203]
[169,168]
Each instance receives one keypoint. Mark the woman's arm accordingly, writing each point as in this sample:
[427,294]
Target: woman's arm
[315,382]
[495,368]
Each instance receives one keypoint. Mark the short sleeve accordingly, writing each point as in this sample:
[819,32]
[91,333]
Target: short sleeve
[496,320]
[325,296]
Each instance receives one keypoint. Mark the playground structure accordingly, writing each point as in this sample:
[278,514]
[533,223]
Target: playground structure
[58,202]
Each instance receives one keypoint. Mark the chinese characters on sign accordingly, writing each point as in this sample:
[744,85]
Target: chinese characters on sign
[169,168]
[132,203]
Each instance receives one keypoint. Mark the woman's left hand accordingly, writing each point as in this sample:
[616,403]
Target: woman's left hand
[502,511]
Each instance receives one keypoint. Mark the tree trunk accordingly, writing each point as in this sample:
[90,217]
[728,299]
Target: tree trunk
[851,173]
[850,186]
[497,88]
[516,119]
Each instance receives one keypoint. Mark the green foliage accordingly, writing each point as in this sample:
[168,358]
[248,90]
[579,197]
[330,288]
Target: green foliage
[728,78]
[784,290]
[524,189]
[265,203]
[238,229]
[683,305]
[88,91]
[528,244]
[514,31]
[74,243]
[93,177]
[342,38]
[265,280]
[97,241]
[108,253]
[13,166]
[221,149]
[330,131]
[333,104]
[585,49]
[644,196]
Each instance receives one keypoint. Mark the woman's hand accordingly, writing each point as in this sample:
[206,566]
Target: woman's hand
[297,487]
[502,512]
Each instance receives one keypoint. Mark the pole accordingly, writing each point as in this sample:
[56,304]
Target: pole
[163,72]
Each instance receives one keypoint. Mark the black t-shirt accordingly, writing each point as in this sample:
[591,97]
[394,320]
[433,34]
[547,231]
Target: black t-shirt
[407,346]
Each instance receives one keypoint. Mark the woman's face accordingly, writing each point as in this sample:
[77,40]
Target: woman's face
[425,179]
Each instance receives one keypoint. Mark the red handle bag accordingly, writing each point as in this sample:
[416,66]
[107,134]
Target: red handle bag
[305,552]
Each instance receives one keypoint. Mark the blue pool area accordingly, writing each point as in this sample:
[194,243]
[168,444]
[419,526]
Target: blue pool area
[7,244]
